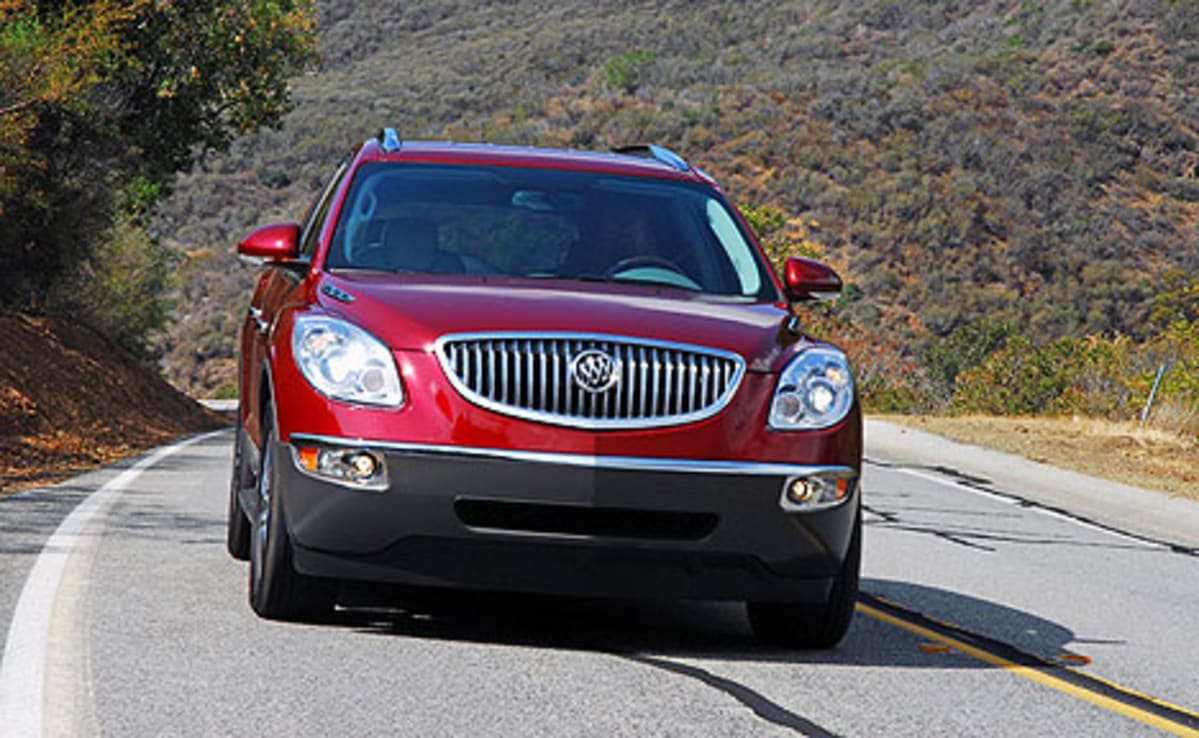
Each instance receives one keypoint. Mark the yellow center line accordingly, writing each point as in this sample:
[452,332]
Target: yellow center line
[1035,675]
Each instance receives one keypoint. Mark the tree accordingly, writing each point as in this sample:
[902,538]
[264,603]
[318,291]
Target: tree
[102,103]
[51,58]
[50,63]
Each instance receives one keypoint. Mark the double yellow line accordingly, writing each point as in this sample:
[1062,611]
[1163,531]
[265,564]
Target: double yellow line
[1107,695]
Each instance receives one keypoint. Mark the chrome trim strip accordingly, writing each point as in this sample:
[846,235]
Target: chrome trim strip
[672,413]
[626,463]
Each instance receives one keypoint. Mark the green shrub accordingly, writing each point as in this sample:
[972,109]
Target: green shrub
[1018,379]
[1177,349]
[1065,376]
[623,73]
[967,346]
[769,224]
[121,287]
[892,396]
[1092,376]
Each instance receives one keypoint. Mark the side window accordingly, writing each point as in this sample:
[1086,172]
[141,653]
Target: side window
[317,213]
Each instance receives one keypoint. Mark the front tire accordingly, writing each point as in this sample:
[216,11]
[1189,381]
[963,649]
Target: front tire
[818,626]
[277,590]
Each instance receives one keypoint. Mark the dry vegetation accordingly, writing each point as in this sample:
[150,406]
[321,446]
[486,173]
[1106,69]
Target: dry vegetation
[1028,164]
[1150,458]
[71,399]
[1011,188]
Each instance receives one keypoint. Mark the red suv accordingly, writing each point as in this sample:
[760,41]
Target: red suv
[534,370]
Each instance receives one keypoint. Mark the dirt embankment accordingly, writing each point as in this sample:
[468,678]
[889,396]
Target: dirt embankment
[70,399]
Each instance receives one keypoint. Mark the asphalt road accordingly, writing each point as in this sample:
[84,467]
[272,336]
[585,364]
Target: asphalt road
[982,614]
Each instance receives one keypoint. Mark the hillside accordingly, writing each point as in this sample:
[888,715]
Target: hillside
[1034,163]
[71,399]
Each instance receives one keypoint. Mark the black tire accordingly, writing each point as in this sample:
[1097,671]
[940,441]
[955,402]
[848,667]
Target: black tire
[237,525]
[277,591]
[813,626]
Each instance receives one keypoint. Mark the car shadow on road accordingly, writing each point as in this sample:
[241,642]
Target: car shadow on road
[699,640]
[703,630]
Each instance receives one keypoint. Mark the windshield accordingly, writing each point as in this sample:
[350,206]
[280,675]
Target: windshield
[539,223]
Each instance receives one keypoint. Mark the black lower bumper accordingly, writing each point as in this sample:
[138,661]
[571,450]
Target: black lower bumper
[483,522]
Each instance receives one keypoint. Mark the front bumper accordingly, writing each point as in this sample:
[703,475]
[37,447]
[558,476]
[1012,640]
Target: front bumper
[568,524]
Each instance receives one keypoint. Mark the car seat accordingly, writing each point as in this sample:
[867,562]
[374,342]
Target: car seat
[410,245]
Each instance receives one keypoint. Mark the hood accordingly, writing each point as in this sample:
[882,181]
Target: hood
[411,311]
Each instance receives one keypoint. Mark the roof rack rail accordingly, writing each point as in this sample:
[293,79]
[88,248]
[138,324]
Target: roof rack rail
[650,151]
[389,139]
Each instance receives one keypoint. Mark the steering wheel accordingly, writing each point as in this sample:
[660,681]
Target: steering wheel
[670,273]
[634,262]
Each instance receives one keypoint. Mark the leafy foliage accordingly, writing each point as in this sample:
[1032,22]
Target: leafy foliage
[101,104]
[121,286]
[967,346]
[623,72]
[50,62]
[1176,301]
[1091,376]
[1021,379]
[781,237]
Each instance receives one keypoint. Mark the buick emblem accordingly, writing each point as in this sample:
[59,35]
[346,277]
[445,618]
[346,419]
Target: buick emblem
[595,370]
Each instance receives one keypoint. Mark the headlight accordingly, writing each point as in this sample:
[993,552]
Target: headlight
[814,391]
[345,362]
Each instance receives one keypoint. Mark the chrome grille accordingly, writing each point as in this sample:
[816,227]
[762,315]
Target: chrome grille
[532,376]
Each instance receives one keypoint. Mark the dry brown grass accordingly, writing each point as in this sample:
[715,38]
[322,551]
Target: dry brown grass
[1152,458]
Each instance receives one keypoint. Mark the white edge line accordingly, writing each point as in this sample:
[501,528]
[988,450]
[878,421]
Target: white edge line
[23,669]
[1031,505]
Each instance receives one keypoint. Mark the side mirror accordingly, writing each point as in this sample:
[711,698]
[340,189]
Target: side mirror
[279,242]
[805,279]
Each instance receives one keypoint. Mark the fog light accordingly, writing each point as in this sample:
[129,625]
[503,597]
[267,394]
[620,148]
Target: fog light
[823,488]
[803,490]
[363,466]
[357,468]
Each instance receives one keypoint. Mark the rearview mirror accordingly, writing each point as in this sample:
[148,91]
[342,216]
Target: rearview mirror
[279,242]
[805,279]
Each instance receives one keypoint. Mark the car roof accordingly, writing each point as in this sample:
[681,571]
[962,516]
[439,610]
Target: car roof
[644,161]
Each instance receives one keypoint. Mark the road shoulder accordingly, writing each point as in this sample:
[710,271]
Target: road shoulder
[1132,509]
